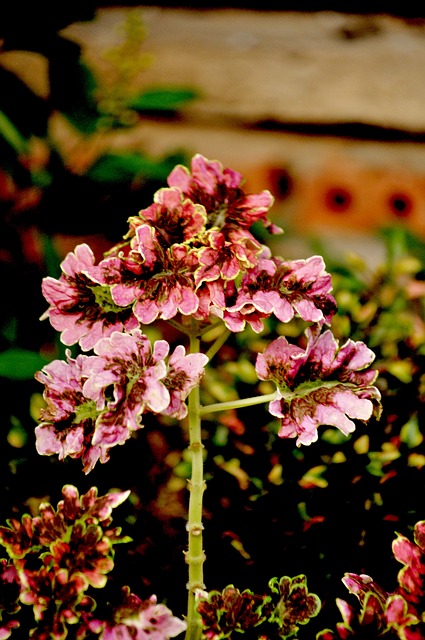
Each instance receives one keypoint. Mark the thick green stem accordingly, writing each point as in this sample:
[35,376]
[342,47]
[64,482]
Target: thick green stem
[195,554]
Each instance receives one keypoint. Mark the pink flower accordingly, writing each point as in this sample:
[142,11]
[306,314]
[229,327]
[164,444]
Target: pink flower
[124,275]
[362,585]
[285,289]
[211,299]
[175,218]
[219,191]
[133,370]
[80,308]
[141,381]
[78,420]
[321,385]
[411,577]
[69,419]
[137,619]
[184,373]
[154,621]
[96,402]
[373,602]
[402,620]
[156,281]
[170,290]
[226,256]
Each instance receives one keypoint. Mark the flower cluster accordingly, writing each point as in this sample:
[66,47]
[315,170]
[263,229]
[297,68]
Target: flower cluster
[54,560]
[190,253]
[323,384]
[96,402]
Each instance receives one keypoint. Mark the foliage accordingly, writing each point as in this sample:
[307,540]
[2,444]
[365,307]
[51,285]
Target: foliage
[273,615]
[56,558]
[392,615]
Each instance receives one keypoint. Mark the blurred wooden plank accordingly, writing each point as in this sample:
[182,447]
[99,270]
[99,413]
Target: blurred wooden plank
[285,67]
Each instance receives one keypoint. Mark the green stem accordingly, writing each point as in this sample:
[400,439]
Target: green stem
[179,326]
[210,327]
[195,554]
[218,343]
[237,404]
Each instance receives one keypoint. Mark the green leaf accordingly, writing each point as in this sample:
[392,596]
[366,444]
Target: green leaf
[50,256]
[20,364]
[17,436]
[116,168]
[333,436]
[169,99]
[12,135]
[75,99]
[411,434]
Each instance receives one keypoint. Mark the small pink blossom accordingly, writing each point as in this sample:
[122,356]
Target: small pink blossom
[141,381]
[80,308]
[361,585]
[137,619]
[169,290]
[127,274]
[220,191]
[321,385]
[176,219]
[211,299]
[154,621]
[227,256]
[155,281]
[69,419]
[411,577]
[402,620]
[285,289]
[130,364]
[184,373]
[79,420]
[373,601]
[134,371]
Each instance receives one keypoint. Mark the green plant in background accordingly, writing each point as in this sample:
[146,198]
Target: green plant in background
[118,101]
[91,106]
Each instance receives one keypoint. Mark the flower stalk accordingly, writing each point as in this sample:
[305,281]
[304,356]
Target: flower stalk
[237,404]
[195,555]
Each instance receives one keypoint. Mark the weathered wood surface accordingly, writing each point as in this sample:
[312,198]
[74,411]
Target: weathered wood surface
[253,66]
